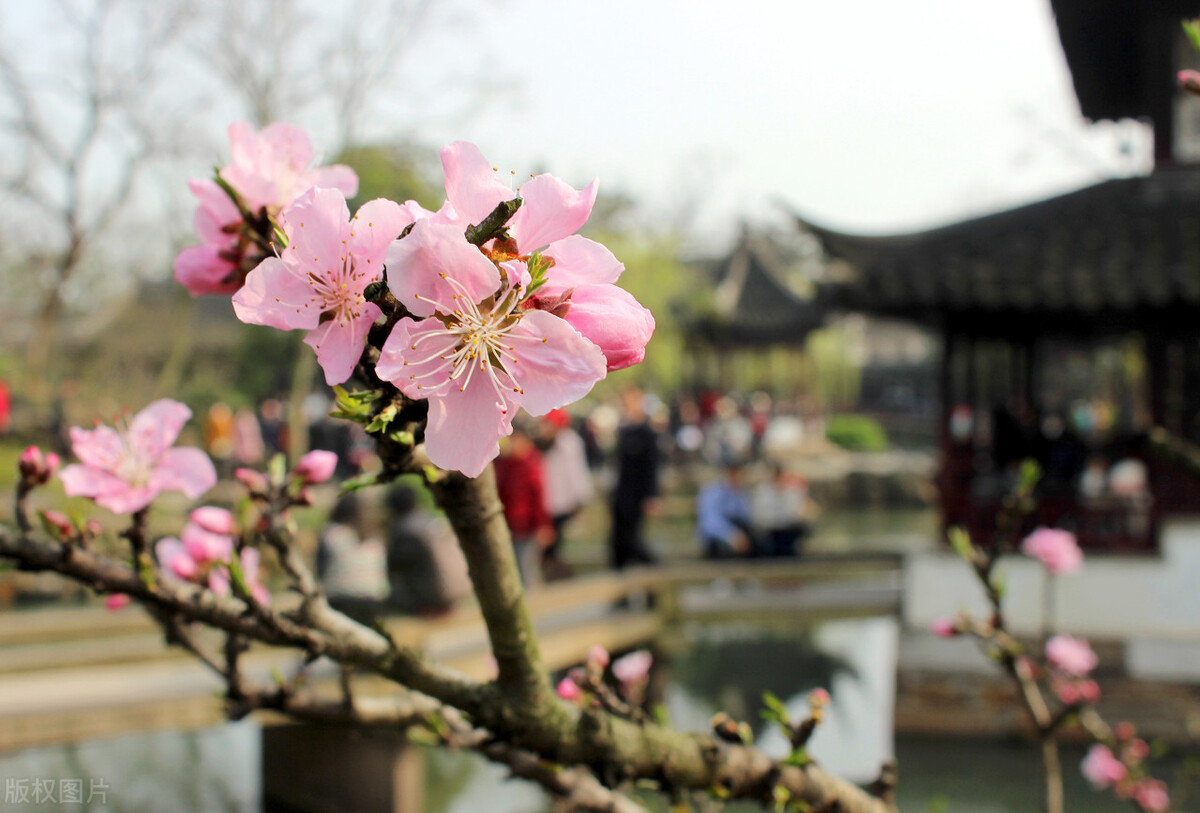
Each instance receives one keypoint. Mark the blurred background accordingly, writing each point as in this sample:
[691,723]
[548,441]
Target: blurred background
[893,250]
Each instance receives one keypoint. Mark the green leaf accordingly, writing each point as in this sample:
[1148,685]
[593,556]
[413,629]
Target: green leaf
[359,482]
[960,540]
[277,469]
[1030,474]
[1192,29]
[237,577]
[999,582]
[380,422]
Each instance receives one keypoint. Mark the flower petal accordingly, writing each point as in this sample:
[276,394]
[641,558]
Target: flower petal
[376,224]
[317,224]
[423,264]
[127,500]
[464,427]
[339,345]
[552,210]
[336,176]
[85,481]
[557,366]
[100,448]
[471,184]
[580,261]
[612,319]
[201,270]
[413,354]
[276,295]
[157,426]
[187,469]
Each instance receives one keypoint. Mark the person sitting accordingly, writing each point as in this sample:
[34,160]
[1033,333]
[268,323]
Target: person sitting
[350,564]
[780,508]
[723,517]
[425,566]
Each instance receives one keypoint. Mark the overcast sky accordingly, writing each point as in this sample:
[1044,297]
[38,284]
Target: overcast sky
[867,115]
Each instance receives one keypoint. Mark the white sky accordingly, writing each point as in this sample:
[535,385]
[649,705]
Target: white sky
[867,115]
[870,115]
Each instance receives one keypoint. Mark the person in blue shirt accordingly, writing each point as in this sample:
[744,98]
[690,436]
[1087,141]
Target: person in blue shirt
[723,517]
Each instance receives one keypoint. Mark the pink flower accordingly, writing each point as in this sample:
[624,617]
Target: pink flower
[116,601]
[1103,769]
[944,628]
[1074,656]
[205,547]
[569,690]
[214,520]
[317,283]
[269,171]
[597,657]
[579,284]
[317,466]
[1152,795]
[1055,549]
[173,557]
[634,667]
[124,470]
[59,522]
[483,356]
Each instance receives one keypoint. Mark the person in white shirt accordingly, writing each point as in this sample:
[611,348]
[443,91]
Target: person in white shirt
[567,485]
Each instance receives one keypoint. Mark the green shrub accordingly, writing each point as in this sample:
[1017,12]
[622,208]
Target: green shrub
[858,433]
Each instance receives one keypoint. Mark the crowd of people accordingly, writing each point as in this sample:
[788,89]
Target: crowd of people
[392,554]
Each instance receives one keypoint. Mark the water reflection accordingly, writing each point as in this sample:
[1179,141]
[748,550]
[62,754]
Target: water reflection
[714,667]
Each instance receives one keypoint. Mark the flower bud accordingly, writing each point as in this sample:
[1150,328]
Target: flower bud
[116,601]
[569,690]
[597,657]
[36,468]
[58,523]
[316,467]
[214,520]
[254,481]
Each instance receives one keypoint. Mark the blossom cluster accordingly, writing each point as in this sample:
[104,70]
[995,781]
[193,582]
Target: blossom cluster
[531,318]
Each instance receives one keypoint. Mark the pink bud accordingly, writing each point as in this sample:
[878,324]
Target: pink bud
[36,468]
[1089,691]
[1189,80]
[60,522]
[568,690]
[613,320]
[1057,550]
[317,466]
[1137,750]
[1068,693]
[1074,656]
[1152,795]
[93,527]
[1125,731]
[597,657]
[254,481]
[818,698]
[1103,769]
[214,520]
[944,628]
[116,601]
[634,667]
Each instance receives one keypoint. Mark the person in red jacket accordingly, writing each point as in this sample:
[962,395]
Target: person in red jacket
[520,480]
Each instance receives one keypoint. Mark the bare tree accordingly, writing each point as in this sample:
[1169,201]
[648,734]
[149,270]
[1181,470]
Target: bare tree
[80,133]
[289,59]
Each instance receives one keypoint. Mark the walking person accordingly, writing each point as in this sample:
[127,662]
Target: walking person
[636,491]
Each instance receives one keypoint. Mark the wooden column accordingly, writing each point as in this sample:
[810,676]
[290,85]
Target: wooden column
[332,769]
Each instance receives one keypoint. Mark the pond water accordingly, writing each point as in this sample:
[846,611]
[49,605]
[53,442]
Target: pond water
[712,667]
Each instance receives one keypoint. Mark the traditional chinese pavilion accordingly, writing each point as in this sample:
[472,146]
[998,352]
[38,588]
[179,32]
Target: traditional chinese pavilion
[1070,326]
